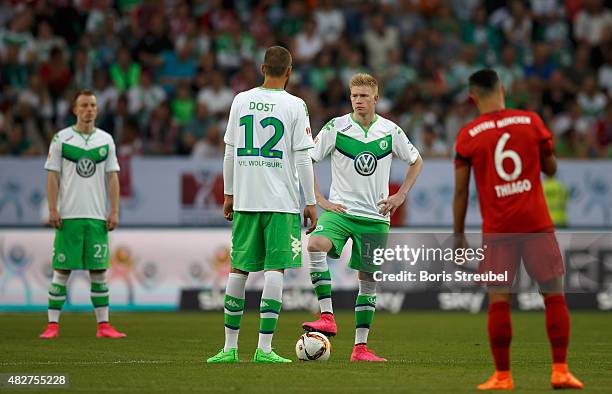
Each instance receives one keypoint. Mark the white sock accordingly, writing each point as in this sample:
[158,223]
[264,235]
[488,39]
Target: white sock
[236,284]
[322,282]
[61,279]
[271,299]
[366,290]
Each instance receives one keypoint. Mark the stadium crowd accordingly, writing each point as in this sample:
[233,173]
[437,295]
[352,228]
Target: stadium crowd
[165,72]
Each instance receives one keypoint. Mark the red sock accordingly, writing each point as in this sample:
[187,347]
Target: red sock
[557,326]
[500,334]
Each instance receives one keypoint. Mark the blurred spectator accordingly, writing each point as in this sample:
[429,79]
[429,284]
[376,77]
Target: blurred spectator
[114,121]
[591,101]
[604,133]
[45,41]
[556,194]
[106,94]
[196,129]
[217,97]
[330,21]
[234,45]
[15,143]
[307,43]
[509,69]
[177,66]
[592,23]
[209,147]
[183,105]
[124,72]
[144,97]
[161,132]
[379,39]
[431,145]
[83,69]
[14,74]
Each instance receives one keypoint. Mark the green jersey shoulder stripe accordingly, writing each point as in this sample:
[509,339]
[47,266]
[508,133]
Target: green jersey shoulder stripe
[352,147]
[74,153]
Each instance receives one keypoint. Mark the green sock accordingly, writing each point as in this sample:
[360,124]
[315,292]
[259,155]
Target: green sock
[364,314]
[57,297]
[99,299]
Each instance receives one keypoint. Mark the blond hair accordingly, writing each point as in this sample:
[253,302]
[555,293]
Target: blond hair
[363,79]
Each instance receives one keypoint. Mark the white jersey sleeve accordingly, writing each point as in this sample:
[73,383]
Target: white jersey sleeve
[232,124]
[302,137]
[324,142]
[54,159]
[403,148]
[112,164]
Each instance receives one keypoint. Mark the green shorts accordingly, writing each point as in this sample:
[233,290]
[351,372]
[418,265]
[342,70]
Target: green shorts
[81,244]
[365,233]
[266,241]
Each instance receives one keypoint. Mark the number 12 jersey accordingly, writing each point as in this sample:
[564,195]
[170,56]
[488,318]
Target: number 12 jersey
[265,128]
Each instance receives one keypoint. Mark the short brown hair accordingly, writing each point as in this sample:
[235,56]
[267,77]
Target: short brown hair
[363,79]
[82,92]
[276,61]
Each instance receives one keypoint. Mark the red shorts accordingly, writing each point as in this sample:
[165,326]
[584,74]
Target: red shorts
[539,252]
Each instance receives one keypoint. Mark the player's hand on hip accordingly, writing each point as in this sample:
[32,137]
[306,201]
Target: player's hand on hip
[55,219]
[228,207]
[310,212]
[331,207]
[391,203]
[113,221]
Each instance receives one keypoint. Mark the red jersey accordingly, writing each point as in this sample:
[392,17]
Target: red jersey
[505,149]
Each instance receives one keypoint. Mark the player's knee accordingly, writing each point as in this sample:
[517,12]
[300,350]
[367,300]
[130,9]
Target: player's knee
[237,271]
[553,286]
[318,244]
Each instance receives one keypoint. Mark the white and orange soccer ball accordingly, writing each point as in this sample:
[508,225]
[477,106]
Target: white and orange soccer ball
[313,346]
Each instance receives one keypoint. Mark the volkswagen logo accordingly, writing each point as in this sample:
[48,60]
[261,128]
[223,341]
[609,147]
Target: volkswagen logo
[85,167]
[365,163]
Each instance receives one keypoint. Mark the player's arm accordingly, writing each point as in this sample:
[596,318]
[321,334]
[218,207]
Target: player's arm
[303,165]
[228,161]
[393,202]
[548,162]
[52,193]
[404,150]
[113,191]
[228,183]
[53,165]
[325,143]
[460,198]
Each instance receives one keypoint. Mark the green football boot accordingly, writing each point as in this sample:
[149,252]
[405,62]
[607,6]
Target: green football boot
[231,356]
[261,357]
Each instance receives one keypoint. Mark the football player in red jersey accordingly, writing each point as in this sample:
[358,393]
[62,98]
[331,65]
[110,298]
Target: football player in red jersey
[507,149]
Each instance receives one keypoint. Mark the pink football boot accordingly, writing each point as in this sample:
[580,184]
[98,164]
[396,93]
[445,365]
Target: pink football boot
[361,353]
[51,332]
[105,330]
[325,325]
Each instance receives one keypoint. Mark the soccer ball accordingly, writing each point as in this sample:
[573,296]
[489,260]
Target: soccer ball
[313,346]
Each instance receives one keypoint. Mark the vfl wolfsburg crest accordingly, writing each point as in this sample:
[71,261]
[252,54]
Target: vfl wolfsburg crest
[85,167]
[365,163]
[102,151]
[383,145]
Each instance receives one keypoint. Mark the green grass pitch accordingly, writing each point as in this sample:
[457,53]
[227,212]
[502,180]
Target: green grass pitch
[429,352]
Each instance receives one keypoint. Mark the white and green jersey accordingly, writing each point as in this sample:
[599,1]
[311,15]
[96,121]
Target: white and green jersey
[361,161]
[265,128]
[82,161]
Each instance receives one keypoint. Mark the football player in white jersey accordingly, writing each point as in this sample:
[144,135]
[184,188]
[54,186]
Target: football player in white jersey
[266,160]
[82,175]
[361,145]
